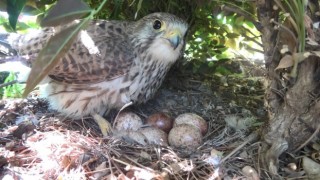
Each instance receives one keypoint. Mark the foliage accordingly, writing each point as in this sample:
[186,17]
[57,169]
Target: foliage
[216,33]
[15,7]
[14,90]
[14,22]
[294,11]
[293,31]
[21,26]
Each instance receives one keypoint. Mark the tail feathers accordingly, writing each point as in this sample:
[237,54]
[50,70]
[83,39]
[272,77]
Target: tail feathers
[30,44]
[8,53]
[5,48]
[11,62]
[23,47]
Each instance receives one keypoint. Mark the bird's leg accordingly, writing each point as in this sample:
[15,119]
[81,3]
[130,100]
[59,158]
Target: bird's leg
[123,107]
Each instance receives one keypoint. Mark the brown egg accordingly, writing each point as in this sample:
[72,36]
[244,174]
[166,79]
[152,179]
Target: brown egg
[185,136]
[155,135]
[128,121]
[192,119]
[161,121]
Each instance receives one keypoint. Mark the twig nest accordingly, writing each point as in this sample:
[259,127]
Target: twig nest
[155,135]
[128,121]
[192,119]
[161,121]
[185,136]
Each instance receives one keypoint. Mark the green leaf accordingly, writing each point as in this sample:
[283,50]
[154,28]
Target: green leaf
[31,10]
[14,7]
[116,9]
[222,70]
[223,56]
[50,55]
[232,35]
[64,12]
[14,90]
[138,8]
[22,26]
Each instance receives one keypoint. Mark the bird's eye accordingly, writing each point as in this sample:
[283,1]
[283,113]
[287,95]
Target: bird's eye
[157,24]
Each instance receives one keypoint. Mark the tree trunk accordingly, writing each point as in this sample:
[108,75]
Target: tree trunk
[291,104]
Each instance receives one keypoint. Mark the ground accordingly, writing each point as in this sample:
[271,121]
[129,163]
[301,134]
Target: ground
[36,142]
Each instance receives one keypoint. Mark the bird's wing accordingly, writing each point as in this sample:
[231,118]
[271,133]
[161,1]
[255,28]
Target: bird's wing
[102,52]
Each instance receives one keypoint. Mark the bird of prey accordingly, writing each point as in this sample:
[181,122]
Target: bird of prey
[110,63]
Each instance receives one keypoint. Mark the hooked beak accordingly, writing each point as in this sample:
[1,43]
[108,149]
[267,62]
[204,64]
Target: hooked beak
[174,37]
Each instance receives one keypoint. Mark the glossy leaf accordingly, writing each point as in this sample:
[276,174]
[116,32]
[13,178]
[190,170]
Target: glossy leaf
[117,9]
[65,11]
[14,7]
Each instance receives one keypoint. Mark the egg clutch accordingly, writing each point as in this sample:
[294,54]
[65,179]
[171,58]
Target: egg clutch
[185,131]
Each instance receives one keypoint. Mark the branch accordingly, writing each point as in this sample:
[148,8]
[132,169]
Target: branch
[8,83]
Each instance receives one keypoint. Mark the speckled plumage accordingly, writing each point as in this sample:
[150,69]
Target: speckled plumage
[111,63]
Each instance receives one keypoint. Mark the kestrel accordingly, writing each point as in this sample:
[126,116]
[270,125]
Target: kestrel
[110,64]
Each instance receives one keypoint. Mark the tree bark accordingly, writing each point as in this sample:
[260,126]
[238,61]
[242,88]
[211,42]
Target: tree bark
[292,106]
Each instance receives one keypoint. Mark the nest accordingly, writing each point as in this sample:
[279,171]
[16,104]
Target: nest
[51,151]
[46,146]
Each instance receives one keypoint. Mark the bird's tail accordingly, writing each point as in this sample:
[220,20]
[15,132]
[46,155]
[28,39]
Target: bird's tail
[22,49]
[8,52]
[5,48]
[10,61]
[28,44]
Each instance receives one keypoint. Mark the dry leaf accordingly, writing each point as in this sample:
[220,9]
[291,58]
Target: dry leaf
[139,173]
[101,170]
[180,166]
[285,62]
[316,156]
[145,155]
[311,42]
[316,53]
[316,146]
[308,25]
[287,38]
[288,60]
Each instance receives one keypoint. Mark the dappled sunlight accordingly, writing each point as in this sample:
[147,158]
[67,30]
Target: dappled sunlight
[17,67]
[25,24]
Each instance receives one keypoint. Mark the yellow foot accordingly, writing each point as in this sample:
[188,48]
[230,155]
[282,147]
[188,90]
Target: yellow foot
[104,125]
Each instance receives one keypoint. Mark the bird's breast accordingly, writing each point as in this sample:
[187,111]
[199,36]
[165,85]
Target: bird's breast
[148,81]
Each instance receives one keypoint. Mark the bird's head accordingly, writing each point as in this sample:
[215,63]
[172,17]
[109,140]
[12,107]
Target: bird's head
[161,34]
